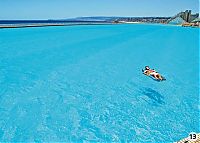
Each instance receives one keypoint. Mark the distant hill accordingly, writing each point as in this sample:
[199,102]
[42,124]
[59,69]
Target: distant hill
[114,18]
[95,18]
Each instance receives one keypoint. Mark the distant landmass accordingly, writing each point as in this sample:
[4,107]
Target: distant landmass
[183,18]
[103,19]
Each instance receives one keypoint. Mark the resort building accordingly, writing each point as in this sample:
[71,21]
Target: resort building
[183,18]
[177,21]
[187,16]
[196,22]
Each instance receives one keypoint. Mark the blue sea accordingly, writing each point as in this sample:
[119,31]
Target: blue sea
[84,83]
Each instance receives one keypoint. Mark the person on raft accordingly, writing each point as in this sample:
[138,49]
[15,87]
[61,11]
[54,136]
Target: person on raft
[153,73]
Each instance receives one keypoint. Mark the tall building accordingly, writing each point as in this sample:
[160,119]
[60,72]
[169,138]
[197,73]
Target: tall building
[187,16]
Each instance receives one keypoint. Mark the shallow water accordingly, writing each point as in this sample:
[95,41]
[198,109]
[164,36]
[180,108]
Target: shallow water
[84,83]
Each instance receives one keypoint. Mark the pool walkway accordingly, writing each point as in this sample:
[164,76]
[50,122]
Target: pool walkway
[188,140]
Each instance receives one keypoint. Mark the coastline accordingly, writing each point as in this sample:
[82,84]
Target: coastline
[3,26]
[29,25]
[126,22]
[7,26]
[173,25]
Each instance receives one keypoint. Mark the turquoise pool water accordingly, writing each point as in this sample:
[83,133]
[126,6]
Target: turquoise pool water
[84,83]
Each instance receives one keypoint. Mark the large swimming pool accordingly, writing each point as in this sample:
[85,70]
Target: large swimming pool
[84,83]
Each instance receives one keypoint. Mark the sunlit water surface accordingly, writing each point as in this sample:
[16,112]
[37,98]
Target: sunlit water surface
[84,83]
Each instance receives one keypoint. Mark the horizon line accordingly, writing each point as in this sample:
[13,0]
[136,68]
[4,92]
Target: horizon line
[88,17]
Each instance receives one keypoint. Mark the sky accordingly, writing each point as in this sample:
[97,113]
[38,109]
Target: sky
[60,9]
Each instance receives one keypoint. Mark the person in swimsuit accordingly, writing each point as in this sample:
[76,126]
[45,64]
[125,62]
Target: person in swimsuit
[152,72]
